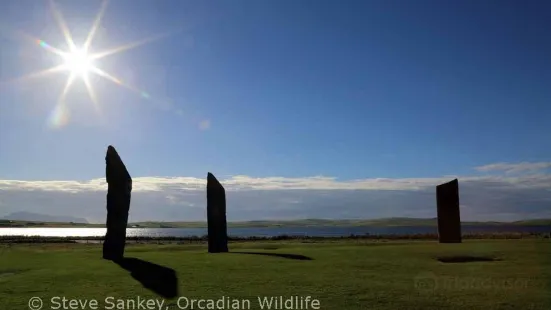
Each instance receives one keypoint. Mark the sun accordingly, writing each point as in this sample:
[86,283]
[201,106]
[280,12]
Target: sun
[78,62]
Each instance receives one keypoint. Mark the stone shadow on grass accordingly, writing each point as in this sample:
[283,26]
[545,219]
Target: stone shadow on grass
[159,279]
[281,255]
[466,259]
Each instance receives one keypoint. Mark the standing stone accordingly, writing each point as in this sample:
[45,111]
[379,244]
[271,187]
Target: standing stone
[216,215]
[447,207]
[119,187]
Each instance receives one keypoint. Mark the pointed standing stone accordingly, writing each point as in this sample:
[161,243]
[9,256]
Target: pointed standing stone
[216,215]
[119,187]
[447,208]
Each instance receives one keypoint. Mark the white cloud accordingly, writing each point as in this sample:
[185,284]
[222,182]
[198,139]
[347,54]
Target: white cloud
[511,168]
[242,182]
[490,197]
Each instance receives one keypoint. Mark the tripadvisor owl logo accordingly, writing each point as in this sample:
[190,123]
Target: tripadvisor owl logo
[426,282]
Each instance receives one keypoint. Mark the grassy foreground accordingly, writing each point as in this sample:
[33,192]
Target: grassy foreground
[350,274]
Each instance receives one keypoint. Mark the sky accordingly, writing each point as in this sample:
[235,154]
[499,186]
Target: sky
[302,109]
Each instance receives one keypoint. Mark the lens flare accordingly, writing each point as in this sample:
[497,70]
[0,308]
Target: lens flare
[59,117]
[80,63]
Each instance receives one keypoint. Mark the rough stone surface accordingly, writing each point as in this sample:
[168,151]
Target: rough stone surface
[447,207]
[119,188]
[216,215]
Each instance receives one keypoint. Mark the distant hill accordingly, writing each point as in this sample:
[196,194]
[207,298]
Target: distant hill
[36,217]
[385,222]
[25,219]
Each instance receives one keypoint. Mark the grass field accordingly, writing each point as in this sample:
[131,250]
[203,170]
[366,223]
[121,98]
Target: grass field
[341,275]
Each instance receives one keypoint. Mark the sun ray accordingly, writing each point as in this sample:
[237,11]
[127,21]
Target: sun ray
[70,81]
[50,48]
[60,115]
[18,34]
[91,93]
[128,46]
[106,75]
[35,75]
[95,26]
[29,38]
[119,82]
[61,23]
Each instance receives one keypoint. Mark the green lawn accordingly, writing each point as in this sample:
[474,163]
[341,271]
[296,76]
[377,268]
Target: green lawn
[341,275]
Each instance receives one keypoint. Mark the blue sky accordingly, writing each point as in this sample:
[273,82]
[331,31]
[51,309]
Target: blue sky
[354,90]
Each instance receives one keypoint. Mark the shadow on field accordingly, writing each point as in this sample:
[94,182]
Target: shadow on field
[159,279]
[282,255]
[466,259]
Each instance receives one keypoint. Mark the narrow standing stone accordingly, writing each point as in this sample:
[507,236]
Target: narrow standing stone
[119,187]
[447,207]
[216,215]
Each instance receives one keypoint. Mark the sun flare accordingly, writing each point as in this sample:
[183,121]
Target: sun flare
[78,62]
[81,64]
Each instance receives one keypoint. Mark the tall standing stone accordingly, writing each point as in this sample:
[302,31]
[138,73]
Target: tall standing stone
[119,188]
[447,207]
[216,215]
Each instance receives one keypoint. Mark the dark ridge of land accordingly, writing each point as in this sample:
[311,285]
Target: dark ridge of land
[386,222]
[290,238]
[38,217]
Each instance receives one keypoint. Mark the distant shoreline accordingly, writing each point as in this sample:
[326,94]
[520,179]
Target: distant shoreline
[391,222]
[266,224]
[283,238]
